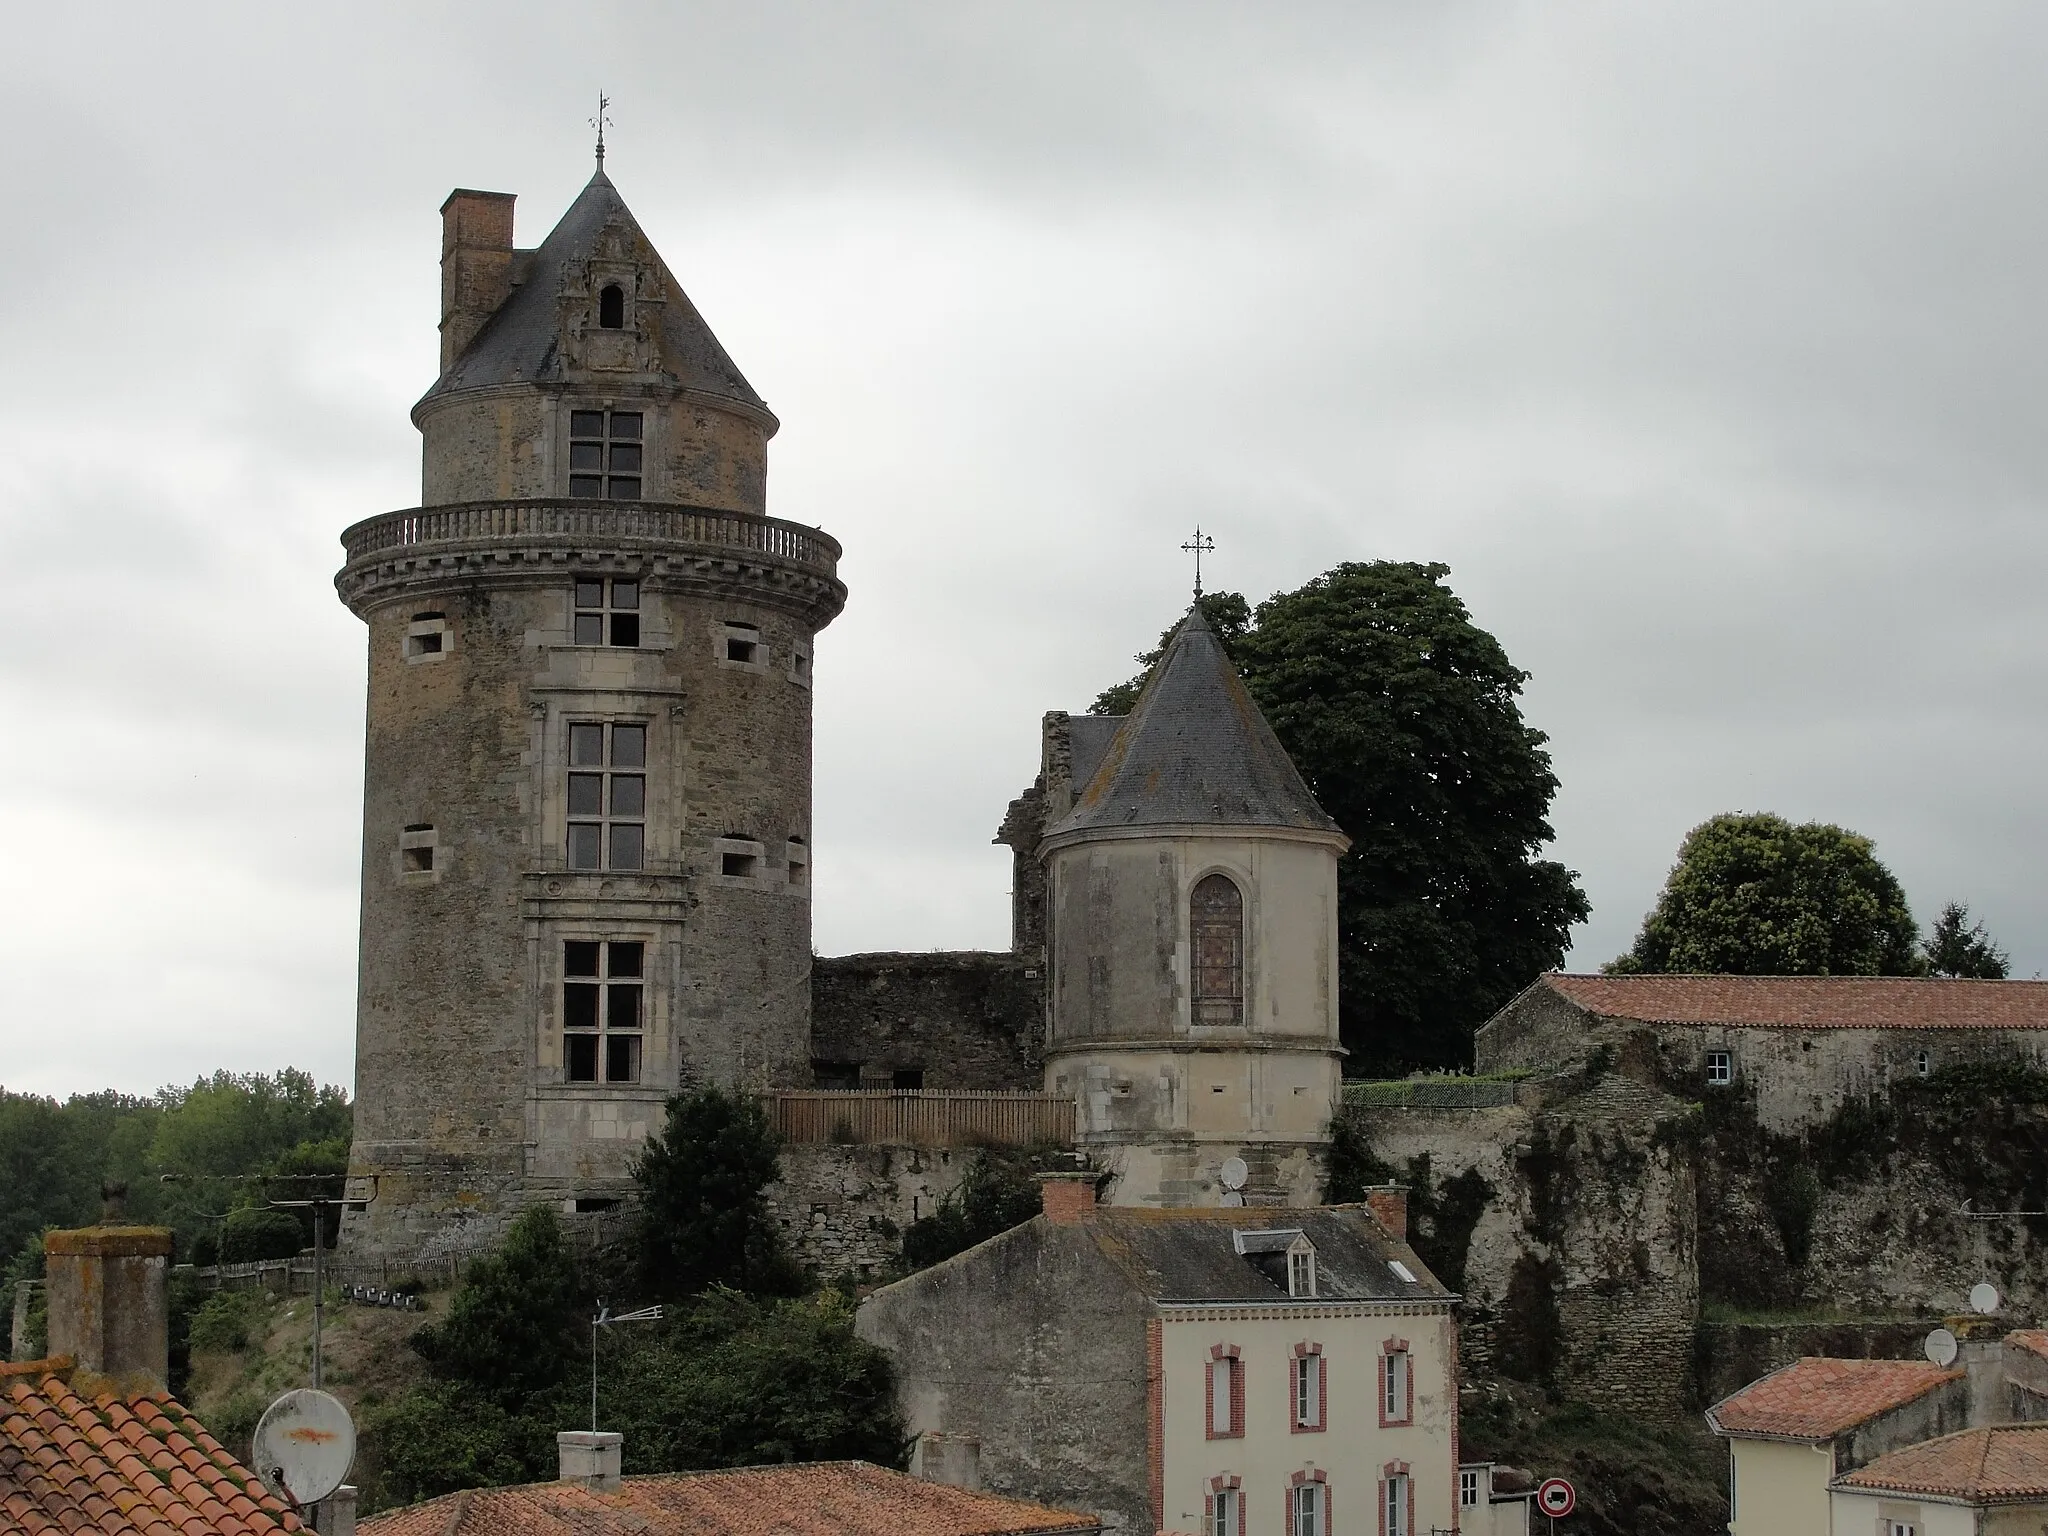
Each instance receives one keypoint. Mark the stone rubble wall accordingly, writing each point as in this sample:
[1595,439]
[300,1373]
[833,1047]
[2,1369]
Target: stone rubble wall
[843,1209]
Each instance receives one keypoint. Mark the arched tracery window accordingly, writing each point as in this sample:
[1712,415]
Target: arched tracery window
[611,307]
[1216,932]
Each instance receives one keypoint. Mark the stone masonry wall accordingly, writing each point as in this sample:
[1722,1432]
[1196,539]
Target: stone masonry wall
[965,1020]
[1582,1265]
[843,1208]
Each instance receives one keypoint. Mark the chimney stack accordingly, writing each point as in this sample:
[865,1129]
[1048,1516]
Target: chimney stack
[109,1305]
[476,265]
[951,1459]
[591,1457]
[1066,1198]
[1389,1202]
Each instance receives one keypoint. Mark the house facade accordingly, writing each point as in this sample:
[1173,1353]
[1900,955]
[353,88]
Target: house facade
[1229,1371]
[1981,1482]
[1800,1045]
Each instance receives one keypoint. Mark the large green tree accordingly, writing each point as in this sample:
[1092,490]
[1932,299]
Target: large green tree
[704,1217]
[1958,947]
[1403,716]
[1752,894]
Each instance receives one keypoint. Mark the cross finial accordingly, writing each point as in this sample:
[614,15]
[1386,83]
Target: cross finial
[1200,545]
[601,122]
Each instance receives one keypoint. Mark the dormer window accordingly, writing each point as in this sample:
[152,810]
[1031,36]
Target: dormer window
[611,307]
[604,455]
[1301,1269]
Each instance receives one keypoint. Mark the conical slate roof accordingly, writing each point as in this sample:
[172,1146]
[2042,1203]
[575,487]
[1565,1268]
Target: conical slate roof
[521,342]
[1195,751]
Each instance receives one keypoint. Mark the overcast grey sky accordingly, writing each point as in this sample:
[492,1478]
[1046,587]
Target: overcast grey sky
[1704,342]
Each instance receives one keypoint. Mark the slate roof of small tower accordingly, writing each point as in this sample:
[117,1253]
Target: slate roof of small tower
[1195,751]
[520,344]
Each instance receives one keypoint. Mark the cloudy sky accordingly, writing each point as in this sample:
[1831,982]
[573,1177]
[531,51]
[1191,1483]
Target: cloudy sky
[1704,343]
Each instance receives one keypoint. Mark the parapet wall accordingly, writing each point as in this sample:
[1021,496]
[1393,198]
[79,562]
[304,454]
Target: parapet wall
[963,1019]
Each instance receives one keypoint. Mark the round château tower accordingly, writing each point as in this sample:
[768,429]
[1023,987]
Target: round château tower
[1191,930]
[587,779]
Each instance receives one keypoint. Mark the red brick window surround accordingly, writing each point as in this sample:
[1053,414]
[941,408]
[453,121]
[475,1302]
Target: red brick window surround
[1308,1389]
[1223,1394]
[1308,1504]
[1223,1507]
[1397,1384]
[1397,1500]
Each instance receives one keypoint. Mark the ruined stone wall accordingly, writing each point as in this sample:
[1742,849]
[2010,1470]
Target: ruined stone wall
[961,1020]
[1569,1228]
[843,1209]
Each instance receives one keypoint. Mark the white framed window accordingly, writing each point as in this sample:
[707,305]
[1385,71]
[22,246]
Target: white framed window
[1226,1398]
[1301,1269]
[1225,1514]
[1397,1522]
[1308,1390]
[1720,1068]
[607,611]
[428,637]
[1468,1487]
[604,455]
[604,985]
[1901,1528]
[1396,1378]
[1923,1063]
[607,795]
[1310,1511]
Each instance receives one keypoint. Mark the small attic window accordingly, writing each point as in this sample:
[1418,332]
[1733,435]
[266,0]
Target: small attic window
[611,307]
[1301,1269]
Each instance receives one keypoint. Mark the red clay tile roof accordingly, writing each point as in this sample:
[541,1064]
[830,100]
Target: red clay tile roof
[1811,1002]
[118,1465]
[2008,1464]
[823,1498]
[1815,1399]
[2028,1338]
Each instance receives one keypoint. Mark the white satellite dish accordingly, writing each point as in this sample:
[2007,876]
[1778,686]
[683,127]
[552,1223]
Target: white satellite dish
[304,1446]
[1983,1299]
[1941,1347]
[1234,1173]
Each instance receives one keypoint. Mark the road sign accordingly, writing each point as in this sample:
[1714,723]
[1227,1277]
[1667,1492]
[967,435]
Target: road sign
[1554,1497]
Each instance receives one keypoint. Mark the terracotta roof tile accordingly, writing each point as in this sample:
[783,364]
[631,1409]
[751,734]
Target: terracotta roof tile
[1815,1399]
[1982,1465]
[2029,1339]
[119,1465]
[1811,1002]
[833,1498]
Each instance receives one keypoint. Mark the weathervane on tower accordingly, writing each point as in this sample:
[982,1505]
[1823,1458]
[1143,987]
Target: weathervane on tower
[600,122]
[1200,545]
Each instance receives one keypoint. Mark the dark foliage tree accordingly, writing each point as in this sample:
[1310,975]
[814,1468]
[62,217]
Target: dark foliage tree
[511,1330]
[1229,615]
[1958,947]
[1402,714]
[703,1209]
[250,1234]
[1754,895]
[996,1193]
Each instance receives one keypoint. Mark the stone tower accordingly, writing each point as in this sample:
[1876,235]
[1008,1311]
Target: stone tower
[587,779]
[1191,929]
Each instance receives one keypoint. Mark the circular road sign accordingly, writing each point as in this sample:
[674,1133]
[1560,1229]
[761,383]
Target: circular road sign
[1554,1497]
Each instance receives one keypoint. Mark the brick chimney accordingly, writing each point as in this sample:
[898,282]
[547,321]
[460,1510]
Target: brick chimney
[109,1306]
[1389,1202]
[1066,1198]
[591,1457]
[476,265]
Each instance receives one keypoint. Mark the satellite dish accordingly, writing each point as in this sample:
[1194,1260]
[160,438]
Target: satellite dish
[1234,1173]
[304,1446]
[1941,1347]
[1233,1197]
[1984,1299]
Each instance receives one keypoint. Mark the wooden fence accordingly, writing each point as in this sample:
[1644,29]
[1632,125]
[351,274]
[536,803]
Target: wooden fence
[965,1118]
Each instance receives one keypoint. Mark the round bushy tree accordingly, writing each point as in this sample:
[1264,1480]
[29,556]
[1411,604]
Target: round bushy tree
[1754,895]
[704,1216]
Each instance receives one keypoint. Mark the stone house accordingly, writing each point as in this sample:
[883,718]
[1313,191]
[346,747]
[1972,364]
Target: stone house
[1228,1370]
[1794,1432]
[1802,1045]
[1980,1482]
